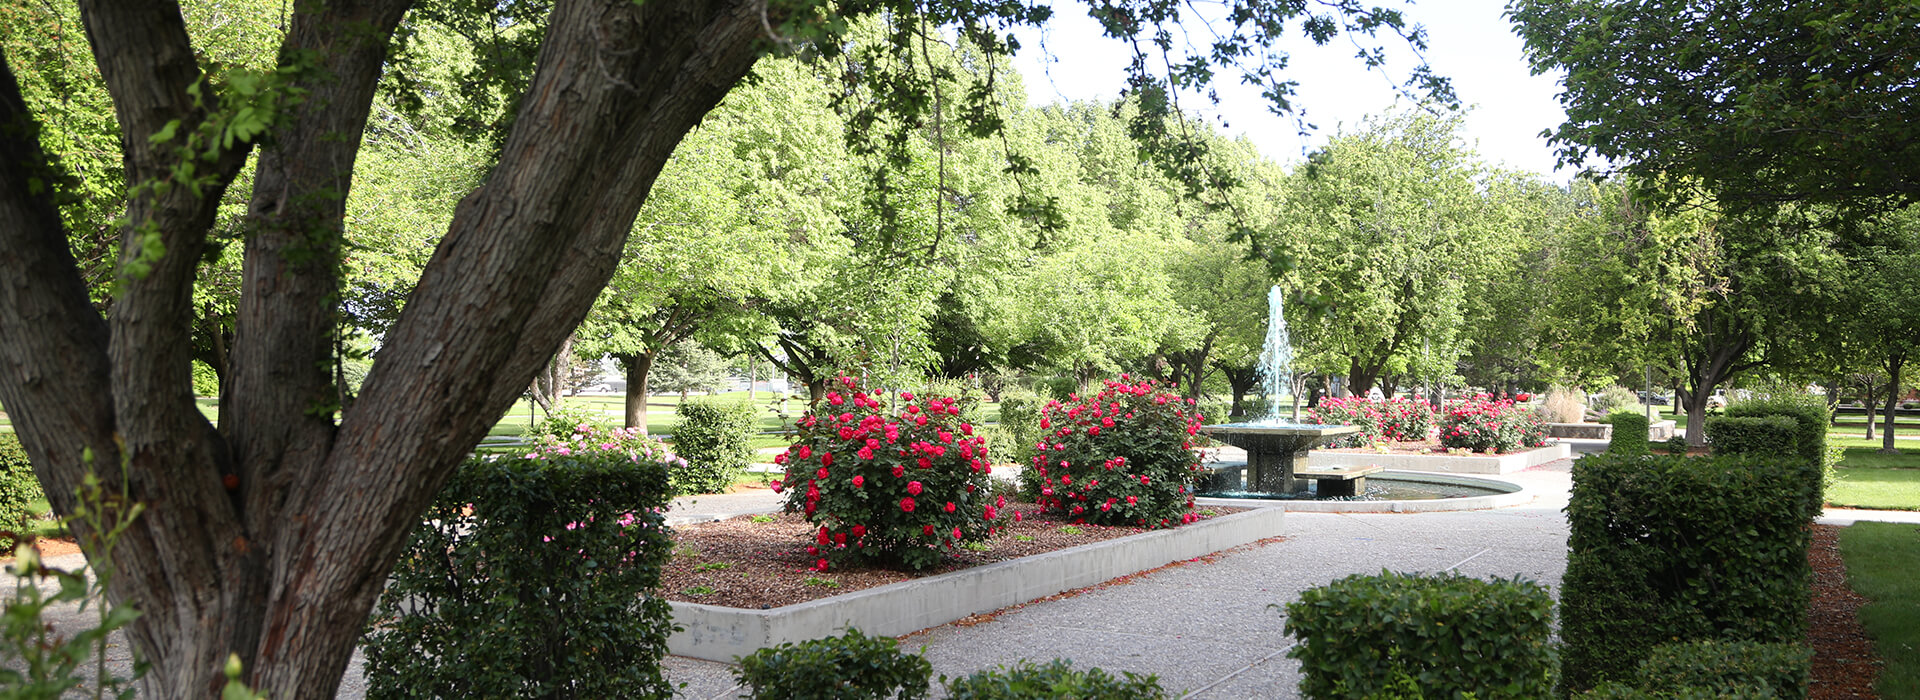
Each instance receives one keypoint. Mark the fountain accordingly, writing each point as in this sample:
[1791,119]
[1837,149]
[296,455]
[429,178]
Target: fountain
[1276,447]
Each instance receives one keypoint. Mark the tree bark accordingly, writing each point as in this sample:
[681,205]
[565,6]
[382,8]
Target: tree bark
[638,367]
[1240,380]
[283,569]
[1895,362]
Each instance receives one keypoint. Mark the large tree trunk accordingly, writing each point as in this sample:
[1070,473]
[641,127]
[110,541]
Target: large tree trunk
[1240,380]
[283,568]
[637,366]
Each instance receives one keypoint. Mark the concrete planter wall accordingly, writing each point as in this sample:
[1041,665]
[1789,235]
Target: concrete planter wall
[1582,431]
[1452,464]
[720,634]
[1660,431]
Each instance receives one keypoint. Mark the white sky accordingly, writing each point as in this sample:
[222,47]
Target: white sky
[1468,41]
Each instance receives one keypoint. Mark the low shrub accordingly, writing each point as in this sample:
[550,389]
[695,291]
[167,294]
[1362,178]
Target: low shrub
[19,488]
[1056,388]
[1811,415]
[1397,419]
[1056,680]
[530,578]
[1724,667]
[1482,424]
[1629,433]
[563,421]
[1667,548]
[1774,436]
[1615,399]
[1676,445]
[900,482]
[1363,635]
[1020,417]
[1122,457]
[715,439]
[850,666]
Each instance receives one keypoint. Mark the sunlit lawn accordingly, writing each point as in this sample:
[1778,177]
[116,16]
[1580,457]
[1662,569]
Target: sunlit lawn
[1881,559]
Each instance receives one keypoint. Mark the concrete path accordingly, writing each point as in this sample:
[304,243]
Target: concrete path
[1210,628]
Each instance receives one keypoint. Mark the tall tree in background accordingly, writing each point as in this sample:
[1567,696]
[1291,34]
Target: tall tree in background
[282,567]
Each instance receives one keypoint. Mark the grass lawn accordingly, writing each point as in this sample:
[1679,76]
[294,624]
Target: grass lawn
[1881,559]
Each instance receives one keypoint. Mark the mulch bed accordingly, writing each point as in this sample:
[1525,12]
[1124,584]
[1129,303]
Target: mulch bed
[741,563]
[1844,664]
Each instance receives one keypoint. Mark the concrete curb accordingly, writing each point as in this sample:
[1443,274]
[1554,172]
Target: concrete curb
[1515,495]
[720,634]
[1453,464]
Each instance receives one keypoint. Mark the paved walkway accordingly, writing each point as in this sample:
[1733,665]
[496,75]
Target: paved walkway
[1210,629]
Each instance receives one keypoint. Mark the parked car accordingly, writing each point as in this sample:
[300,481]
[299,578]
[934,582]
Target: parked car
[1656,399]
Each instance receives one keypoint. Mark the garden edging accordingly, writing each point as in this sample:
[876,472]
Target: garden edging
[1453,464]
[720,634]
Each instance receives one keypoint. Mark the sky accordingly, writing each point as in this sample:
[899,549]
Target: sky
[1468,41]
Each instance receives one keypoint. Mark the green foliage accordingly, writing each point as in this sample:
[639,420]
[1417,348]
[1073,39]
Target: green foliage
[1451,633]
[19,488]
[852,666]
[1615,399]
[563,422]
[1881,559]
[1396,419]
[1629,433]
[1666,548]
[1676,445]
[1058,388]
[1481,424]
[530,578]
[1726,667]
[1055,680]
[1122,457]
[1020,417]
[889,481]
[1811,418]
[205,381]
[1774,436]
[714,437]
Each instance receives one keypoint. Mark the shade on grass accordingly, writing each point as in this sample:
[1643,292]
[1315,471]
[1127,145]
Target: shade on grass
[1881,559]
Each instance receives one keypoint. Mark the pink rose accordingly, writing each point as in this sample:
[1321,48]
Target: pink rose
[859,481]
[914,487]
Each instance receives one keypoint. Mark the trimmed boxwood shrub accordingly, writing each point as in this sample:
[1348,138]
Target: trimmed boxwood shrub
[1677,445]
[18,488]
[714,438]
[1055,680]
[1123,457]
[1366,635]
[1629,433]
[530,578]
[852,666]
[1811,415]
[1783,669]
[1775,436]
[1666,548]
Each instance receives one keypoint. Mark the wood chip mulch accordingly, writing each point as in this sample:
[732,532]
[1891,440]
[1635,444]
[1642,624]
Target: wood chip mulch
[1844,663]
[741,563]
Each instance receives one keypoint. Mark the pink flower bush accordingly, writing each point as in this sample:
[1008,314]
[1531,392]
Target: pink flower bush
[1123,457]
[1388,420]
[863,465]
[1483,424]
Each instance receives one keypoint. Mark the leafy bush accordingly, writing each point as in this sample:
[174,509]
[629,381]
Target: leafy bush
[1629,433]
[1359,636]
[1020,417]
[1666,548]
[714,437]
[1775,436]
[1396,419]
[1811,414]
[1056,388]
[18,489]
[1622,691]
[1615,399]
[1122,457]
[896,483]
[1055,680]
[530,578]
[1724,667]
[1564,405]
[1677,445]
[850,666]
[563,421]
[1482,424]
[205,381]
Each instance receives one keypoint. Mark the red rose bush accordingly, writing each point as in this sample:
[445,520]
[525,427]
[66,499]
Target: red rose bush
[899,480]
[1124,457]
[1482,424]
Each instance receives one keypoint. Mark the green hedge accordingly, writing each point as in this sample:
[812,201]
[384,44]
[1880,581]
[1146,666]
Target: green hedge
[852,666]
[1719,666]
[1055,680]
[1629,433]
[1775,436]
[1365,635]
[1020,420]
[18,488]
[1666,548]
[530,578]
[714,437]
[1812,416]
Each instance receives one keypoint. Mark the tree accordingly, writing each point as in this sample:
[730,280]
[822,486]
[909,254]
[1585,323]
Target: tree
[1887,317]
[1753,104]
[686,367]
[282,566]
